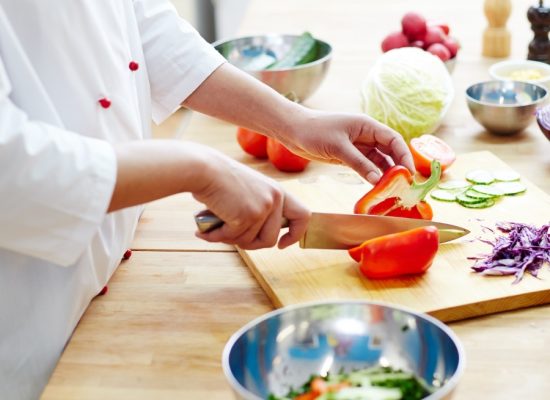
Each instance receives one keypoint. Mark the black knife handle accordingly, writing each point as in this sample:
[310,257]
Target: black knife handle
[207,221]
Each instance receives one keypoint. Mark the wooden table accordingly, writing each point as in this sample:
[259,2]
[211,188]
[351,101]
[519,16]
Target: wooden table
[160,331]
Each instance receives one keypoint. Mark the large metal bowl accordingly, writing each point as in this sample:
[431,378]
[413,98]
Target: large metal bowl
[282,349]
[504,107]
[297,83]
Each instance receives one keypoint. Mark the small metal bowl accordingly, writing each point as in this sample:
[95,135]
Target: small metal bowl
[504,107]
[254,53]
[282,349]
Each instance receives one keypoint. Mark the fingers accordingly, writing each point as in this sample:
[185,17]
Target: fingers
[262,229]
[389,142]
[298,217]
[354,158]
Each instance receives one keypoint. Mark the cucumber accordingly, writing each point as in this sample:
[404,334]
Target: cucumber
[482,204]
[303,50]
[477,195]
[463,199]
[491,190]
[480,177]
[443,195]
[506,176]
[453,184]
[510,188]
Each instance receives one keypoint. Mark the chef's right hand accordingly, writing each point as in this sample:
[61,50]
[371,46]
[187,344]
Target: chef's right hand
[250,204]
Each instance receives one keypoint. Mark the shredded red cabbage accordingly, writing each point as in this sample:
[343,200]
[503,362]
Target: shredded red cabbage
[522,248]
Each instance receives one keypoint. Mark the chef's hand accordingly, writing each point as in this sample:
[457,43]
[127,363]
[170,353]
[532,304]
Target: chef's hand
[356,140]
[250,204]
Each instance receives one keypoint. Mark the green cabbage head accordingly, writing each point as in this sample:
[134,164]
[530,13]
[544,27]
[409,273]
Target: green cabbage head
[409,90]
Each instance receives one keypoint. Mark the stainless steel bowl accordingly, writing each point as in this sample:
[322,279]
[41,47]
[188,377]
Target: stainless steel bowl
[504,107]
[282,349]
[253,53]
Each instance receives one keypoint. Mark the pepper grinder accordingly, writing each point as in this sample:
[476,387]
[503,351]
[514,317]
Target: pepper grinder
[539,47]
[496,37]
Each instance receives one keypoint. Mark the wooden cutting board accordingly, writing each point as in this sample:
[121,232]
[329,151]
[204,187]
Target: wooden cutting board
[449,290]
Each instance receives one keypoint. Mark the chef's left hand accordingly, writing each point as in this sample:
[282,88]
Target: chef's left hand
[356,140]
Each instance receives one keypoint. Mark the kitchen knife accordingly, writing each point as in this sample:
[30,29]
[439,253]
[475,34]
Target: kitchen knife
[344,231]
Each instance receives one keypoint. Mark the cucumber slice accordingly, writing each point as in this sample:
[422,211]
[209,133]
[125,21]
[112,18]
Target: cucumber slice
[491,190]
[443,195]
[477,195]
[480,177]
[453,184]
[506,176]
[510,188]
[463,199]
[482,204]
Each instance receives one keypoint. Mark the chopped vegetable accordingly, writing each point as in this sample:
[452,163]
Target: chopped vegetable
[376,383]
[427,148]
[506,176]
[453,184]
[398,194]
[443,195]
[482,188]
[404,253]
[480,176]
[480,204]
[521,248]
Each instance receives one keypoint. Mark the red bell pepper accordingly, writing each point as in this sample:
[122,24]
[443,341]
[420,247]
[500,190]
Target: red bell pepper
[404,253]
[398,194]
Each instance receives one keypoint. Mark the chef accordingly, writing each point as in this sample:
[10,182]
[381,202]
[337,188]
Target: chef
[80,81]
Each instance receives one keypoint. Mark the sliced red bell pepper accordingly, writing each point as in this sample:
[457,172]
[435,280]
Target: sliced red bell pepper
[398,194]
[404,253]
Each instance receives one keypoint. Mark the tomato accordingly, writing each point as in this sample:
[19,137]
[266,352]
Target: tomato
[427,148]
[251,142]
[283,159]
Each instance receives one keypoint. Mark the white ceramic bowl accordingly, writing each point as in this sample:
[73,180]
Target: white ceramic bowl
[505,70]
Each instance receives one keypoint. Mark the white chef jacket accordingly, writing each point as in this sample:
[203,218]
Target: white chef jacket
[67,91]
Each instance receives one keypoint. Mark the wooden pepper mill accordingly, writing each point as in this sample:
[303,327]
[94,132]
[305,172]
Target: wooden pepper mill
[496,37]
[539,47]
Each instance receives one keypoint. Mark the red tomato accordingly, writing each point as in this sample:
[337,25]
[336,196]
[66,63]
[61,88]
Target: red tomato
[427,148]
[283,159]
[253,143]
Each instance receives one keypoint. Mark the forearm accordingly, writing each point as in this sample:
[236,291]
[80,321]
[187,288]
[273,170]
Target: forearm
[234,96]
[153,169]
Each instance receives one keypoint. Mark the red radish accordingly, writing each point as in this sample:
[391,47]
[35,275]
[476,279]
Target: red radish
[434,34]
[444,27]
[394,40]
[451,44]
[414,26]
[439,50]
[418,43]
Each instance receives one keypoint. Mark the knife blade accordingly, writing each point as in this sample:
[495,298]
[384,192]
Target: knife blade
[344,231]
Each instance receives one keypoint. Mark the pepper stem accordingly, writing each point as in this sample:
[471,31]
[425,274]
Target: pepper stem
[419,190]
[425,187]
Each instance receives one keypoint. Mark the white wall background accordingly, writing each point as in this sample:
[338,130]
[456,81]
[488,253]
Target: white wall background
[214,19]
